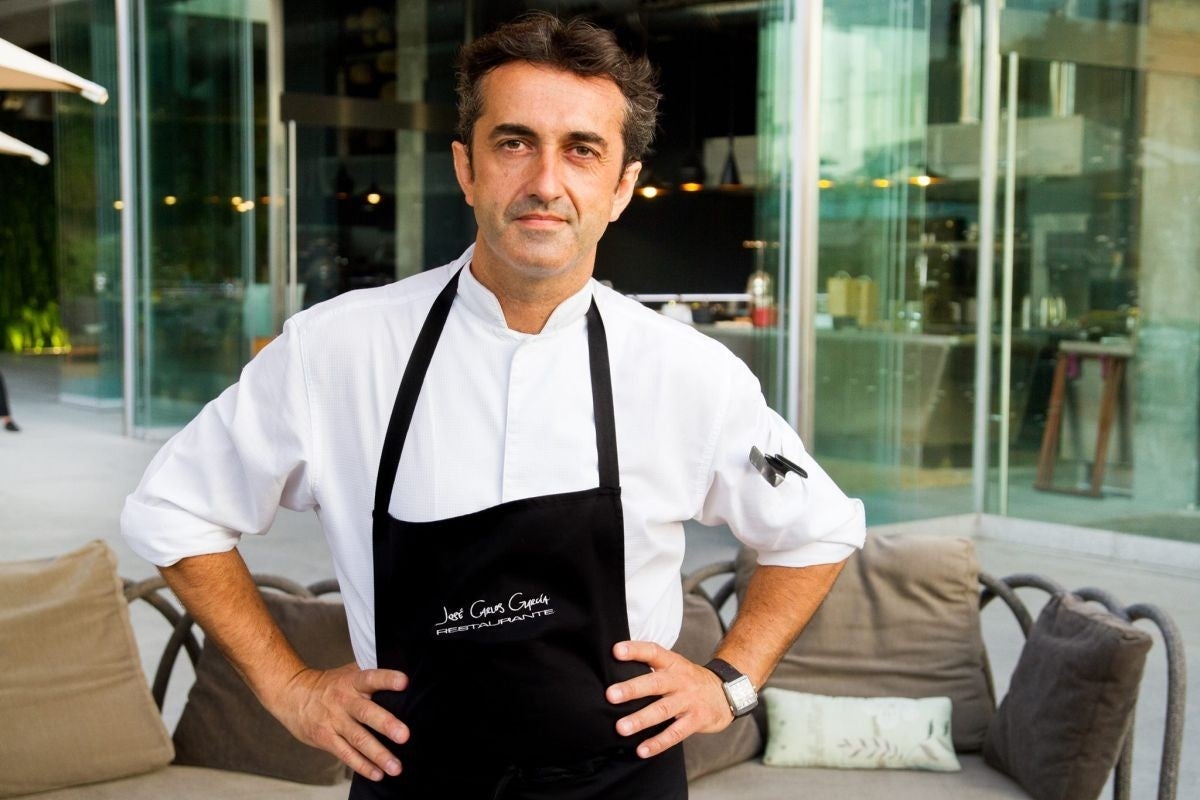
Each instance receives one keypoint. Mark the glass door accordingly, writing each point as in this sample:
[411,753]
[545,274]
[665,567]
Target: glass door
[897,246]
[367,106]
[202,229]
[1098,411]
[352,193]
[1079,372]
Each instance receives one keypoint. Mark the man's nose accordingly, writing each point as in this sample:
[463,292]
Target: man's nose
[546,181]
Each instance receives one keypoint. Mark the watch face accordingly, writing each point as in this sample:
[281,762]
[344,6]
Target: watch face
[741,694]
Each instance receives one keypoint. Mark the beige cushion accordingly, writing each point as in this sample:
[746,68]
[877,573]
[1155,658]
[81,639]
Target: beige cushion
[225,727]
[197,783]
[74,704]
[977,781]
[1060,728]
[704,753]
[901,621]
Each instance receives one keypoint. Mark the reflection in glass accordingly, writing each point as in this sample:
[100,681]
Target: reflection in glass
[1104,253]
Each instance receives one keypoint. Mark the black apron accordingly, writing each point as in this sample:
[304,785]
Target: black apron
[504,621]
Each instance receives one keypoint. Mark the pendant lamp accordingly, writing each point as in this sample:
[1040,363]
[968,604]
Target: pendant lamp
[730,176]
[729,173]
[692,174]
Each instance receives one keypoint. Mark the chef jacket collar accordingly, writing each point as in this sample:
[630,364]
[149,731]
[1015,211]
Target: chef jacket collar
[481,302]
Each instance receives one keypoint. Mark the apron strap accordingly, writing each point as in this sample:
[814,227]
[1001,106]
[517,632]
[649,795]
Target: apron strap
[602,401]
[410,390]
[418,366]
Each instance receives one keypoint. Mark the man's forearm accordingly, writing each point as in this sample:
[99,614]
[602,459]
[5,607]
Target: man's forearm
[779,602]
[219,592]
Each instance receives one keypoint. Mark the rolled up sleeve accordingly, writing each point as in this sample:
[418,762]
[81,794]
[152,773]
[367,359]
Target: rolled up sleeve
[803,521]
[227,473]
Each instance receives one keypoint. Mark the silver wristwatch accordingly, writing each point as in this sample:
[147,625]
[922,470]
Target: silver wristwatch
[739,691]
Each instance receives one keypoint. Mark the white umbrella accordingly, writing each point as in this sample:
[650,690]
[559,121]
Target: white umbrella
[15,147]
[21,70]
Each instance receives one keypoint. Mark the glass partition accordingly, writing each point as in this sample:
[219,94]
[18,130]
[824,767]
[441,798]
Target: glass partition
[370,102]
[892,401]
[202,153]
[1102,424]
[89,207]
[1095,336]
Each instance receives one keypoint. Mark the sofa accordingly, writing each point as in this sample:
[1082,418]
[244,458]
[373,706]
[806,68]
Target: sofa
[896,649]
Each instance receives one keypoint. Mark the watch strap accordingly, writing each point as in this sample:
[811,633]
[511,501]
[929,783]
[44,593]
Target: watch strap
[723,669]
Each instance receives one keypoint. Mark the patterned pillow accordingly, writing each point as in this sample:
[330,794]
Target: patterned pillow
[808,730]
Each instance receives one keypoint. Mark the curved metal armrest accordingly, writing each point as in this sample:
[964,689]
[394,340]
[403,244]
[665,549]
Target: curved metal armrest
[327,586]
[183,636]
[692,585]
[1168,776]
[1004,588]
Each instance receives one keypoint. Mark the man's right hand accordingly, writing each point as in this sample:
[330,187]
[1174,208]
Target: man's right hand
[333,710]
[329,709]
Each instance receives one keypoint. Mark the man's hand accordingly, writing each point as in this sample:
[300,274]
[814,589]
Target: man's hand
[332,710]
[687,693]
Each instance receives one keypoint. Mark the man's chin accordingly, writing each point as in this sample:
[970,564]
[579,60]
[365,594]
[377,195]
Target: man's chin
[543,263]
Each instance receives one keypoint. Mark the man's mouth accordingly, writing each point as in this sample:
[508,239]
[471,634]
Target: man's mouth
[540,221]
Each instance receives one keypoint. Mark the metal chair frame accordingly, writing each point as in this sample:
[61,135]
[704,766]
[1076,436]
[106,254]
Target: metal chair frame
[183,635]
[1005,589]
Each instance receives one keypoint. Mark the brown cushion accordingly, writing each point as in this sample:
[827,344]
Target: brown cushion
[1059,730]
[703,752]
[225,727]
[901,621]
[74,704]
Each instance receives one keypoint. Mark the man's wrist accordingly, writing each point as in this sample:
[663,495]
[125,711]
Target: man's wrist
[740,692]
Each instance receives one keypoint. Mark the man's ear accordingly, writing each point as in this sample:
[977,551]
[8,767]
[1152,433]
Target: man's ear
[463,171]
[625,189]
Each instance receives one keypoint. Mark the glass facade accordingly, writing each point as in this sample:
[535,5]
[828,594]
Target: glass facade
[1110,247]
[89,207]
[287,152]
[1092,381]
[203,190]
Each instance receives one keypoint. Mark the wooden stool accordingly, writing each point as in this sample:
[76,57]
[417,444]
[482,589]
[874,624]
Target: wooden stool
[1114,358]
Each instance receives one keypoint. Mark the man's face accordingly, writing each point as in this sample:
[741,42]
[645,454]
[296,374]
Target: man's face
[545,171]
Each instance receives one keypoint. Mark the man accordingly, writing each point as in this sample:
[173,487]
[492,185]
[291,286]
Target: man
[506,526]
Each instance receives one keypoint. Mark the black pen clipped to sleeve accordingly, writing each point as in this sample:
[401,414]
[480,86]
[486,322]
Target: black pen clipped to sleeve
[774,468]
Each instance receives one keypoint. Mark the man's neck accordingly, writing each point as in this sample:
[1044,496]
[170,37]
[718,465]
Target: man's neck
[527,303]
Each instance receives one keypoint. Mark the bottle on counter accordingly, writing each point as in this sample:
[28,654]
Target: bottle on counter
[760,287]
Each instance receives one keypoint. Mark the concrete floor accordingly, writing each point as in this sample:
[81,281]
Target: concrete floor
[64,477]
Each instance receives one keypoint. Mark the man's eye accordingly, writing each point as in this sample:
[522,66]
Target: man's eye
[512,144]
[584,152]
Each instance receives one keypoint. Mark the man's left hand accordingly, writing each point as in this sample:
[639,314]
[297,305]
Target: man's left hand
[686,692]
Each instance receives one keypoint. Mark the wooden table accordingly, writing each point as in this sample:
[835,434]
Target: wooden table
[1113,358]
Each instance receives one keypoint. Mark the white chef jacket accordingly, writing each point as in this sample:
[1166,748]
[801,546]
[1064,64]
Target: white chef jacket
[502,415]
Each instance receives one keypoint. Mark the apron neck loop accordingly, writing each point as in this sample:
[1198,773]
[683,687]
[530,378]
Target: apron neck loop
[418,366]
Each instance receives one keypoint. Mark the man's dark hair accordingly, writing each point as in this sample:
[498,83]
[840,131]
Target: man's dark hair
[573,45]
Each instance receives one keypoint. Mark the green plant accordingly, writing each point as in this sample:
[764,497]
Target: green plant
[28,232]
[37,330]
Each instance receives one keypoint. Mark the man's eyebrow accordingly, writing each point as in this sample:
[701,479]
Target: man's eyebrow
[513,129]
[588,137]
